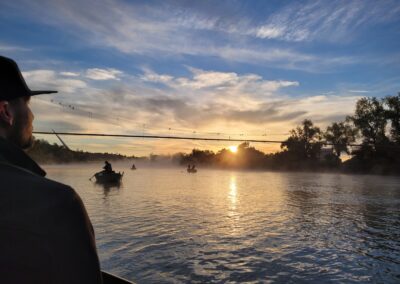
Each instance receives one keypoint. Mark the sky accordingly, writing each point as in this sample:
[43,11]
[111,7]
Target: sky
[218,69]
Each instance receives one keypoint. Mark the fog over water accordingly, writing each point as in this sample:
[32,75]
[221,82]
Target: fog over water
[163,225]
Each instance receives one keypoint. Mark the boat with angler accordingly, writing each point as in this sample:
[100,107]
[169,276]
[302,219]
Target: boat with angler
[108,177]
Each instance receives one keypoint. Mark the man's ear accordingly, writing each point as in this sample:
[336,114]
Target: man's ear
[6,114]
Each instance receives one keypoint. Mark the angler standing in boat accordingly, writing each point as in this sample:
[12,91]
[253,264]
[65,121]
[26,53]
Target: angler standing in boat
[45,233]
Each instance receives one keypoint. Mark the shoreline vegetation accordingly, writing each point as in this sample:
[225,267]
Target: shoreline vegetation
[374,128]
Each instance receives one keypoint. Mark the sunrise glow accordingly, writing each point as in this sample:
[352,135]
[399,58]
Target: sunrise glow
[233,149]
[170,68]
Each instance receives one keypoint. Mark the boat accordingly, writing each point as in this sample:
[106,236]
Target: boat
[108,177]
[192,171]
[113,279]
[133,167]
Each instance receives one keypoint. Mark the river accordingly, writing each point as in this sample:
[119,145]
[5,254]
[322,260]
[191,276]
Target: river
[163,225]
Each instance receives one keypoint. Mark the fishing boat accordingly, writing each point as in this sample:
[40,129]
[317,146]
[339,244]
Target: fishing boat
[108,177]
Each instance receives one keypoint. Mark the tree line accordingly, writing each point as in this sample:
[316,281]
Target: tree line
[44,152]
[371,136]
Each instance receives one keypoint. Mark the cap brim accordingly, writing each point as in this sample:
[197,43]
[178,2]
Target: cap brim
[34,93]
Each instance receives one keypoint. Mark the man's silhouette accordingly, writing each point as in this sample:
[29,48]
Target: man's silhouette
[45,233]
[107,167]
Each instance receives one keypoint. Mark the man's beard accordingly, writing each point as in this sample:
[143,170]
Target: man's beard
[20,136]
[28,143]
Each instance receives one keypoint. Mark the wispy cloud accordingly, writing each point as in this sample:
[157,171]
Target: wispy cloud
[227,82]
[358,91]
[166,30]
[322,20]
[151,76]
[103,74]
[40,79]
[214,93]
[11,48]
[69,74]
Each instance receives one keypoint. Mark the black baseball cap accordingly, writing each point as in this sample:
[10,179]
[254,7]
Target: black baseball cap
[12,84]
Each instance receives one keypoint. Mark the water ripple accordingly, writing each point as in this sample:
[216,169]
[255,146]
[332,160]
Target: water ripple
[164,226]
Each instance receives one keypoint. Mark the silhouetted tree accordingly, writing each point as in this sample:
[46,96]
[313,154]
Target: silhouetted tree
[370,118]
[393,114]
[198,157]
[340,135]
[377,154]
[249,157]
[304,141]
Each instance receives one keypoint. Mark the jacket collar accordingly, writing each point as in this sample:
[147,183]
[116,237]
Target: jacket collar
[11,154]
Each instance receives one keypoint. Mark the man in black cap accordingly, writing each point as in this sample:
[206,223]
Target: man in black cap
[45,233]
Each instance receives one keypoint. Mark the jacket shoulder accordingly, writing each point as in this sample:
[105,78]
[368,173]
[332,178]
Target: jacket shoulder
[21,181]
[34,209]
[31,201]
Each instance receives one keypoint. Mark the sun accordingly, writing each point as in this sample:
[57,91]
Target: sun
[233,149]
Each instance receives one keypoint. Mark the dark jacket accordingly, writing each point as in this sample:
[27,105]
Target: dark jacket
[45,233]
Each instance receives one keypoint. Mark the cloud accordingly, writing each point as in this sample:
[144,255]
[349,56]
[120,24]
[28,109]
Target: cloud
[204,101]
[10,48]
[70,74]
[358,91]
[264,114]
[58,125]
[323,108]
[204,79]
[49,79]
[209,98]
[270,31]
[202,98]
[332,21]
[186,30]
[151,76]
[223,83]
[103,74]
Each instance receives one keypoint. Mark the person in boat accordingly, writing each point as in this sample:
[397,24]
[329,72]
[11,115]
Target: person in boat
[188,168]
[107,167]
[45,233]
[193,168]
[133,167]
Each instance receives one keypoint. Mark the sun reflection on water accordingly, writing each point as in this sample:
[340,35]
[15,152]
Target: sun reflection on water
[233,193]
[233,212]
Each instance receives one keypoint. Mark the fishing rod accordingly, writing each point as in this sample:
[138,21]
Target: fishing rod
[171,137]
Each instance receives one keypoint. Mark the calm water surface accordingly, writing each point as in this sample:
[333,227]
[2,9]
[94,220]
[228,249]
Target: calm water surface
[167,226]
